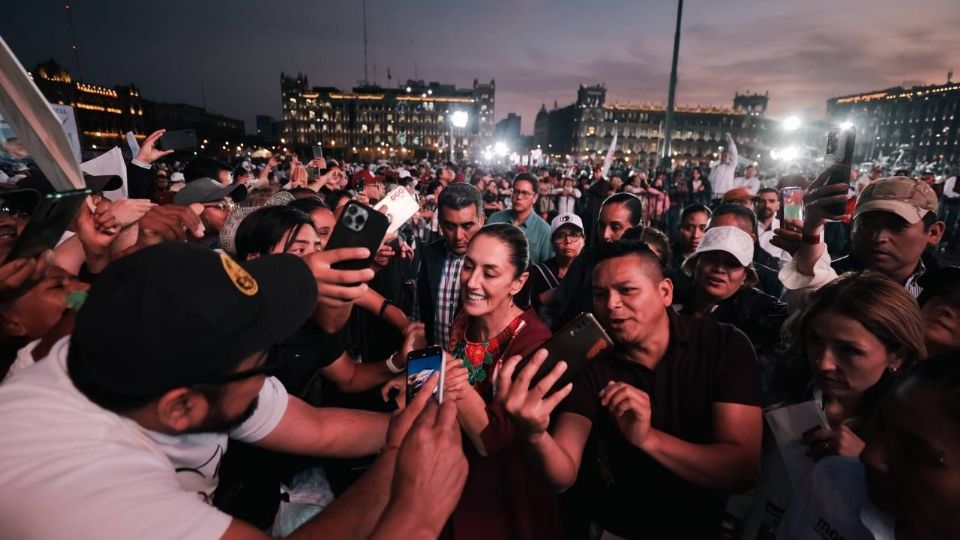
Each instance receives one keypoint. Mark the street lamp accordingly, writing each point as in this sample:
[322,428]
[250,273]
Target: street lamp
[792,123]
[459,120]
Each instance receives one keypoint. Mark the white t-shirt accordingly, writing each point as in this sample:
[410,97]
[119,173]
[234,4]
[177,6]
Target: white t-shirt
[71,469]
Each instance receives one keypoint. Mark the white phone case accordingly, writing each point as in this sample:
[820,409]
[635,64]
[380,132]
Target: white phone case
[399,206]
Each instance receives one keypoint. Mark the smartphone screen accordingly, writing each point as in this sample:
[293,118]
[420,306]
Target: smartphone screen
[421,365]
[791,203]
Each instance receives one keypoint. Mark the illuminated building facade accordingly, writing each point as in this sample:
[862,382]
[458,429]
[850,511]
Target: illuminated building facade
[412,120]
[586,128]
[923,122]
[103,114]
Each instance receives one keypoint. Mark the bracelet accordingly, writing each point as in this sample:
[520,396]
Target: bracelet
[383,307]
[811,239]
[391,366]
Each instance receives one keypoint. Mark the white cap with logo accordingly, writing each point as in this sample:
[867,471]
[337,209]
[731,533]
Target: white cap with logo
[566,219]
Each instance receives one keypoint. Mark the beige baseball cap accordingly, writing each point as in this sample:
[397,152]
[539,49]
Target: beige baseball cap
[906,197]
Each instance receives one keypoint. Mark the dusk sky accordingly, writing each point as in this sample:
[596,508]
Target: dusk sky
[537,50]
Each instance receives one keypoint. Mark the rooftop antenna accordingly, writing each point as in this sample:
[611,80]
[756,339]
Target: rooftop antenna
[75,46]
[366,79]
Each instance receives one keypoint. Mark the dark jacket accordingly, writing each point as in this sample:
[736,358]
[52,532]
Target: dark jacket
[428,285]
[756,314]
[139,181]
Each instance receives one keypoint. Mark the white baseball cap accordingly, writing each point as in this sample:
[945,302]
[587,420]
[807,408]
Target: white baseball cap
[729,239]
[566,219]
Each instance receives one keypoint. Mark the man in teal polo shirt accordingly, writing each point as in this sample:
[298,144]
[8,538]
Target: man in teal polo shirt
[525,192]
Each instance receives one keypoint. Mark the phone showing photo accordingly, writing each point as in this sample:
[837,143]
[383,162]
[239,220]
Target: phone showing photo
[839,154]
[399,206]
[421,365]
[791,203]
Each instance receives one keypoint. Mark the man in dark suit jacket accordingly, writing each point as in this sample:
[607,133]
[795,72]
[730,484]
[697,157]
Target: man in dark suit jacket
[460,209]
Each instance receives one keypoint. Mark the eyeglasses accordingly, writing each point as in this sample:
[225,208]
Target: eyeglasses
[222,205]
[568,237]
[523,194]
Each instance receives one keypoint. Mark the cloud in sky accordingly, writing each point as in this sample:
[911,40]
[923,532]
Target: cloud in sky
[537,50]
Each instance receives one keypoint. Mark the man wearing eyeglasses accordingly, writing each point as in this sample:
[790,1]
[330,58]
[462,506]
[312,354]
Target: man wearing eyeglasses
[217,200]
[119,431]
[526,188]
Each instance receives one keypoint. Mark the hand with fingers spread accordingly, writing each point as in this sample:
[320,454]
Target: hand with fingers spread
[456,381]
[337,288]
[530,408]
[822,442]
[630,408]
[148,148]
[19,275]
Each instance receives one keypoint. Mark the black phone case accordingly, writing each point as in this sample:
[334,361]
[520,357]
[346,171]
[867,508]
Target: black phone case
[579,343]
[178,140]
[48,221]
[846,142]
[349,233]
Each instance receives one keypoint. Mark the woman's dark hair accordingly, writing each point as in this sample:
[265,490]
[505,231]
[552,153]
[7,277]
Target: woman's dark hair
[333,198]
[308,205]
[433,186]
[693,209]
[304,193]
[262,229]
[631,201]
[881,306]
[516,241]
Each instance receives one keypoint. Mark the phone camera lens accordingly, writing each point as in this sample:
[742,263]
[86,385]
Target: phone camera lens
[360,220]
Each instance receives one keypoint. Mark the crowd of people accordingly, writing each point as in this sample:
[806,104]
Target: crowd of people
[191,361]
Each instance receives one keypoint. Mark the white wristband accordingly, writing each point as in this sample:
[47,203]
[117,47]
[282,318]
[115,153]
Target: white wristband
[391,366]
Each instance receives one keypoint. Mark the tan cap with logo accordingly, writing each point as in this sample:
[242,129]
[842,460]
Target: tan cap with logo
[906,197]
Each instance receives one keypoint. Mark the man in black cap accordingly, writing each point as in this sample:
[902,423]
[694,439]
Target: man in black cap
[122,426]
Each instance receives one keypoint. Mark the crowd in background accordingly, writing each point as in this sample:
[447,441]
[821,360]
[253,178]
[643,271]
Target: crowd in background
[203,306]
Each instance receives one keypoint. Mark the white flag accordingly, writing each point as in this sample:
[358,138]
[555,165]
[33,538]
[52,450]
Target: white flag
[607,161]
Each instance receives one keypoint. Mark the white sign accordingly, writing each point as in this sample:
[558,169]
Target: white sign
[69,122]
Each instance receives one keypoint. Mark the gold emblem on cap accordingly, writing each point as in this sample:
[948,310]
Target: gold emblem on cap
[243,281]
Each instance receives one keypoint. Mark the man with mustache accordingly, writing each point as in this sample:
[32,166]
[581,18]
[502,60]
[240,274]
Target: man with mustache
[894,223]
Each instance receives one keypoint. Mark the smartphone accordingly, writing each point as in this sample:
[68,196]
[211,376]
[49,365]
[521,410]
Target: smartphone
[358,226]
[181,139]
[579,343]
[317,151]
[399,206]
[421,365]
[791,203]
[839,154]
[55,212]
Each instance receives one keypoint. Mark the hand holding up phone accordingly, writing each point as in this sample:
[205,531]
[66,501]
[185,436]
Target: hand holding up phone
[822,200]
[337,288]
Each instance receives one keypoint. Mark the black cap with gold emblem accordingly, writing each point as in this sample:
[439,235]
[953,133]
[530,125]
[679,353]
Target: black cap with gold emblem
[175,315]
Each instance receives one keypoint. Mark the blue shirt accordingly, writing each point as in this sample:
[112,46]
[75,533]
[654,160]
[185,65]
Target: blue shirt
[536,230]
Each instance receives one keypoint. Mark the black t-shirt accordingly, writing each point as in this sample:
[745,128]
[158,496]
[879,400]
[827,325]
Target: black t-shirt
[302,354]
[631,494]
